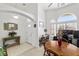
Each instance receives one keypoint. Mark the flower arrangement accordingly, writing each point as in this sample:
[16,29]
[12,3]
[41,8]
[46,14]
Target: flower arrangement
[12,34]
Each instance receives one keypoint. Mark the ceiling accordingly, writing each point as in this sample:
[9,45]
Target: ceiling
[12,17]
[48,6]
[45,6]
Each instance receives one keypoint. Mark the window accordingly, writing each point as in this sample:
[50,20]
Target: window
[65,22]
[68,22]
[67,18]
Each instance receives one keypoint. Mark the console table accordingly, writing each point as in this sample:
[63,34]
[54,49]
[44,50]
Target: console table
[16,40]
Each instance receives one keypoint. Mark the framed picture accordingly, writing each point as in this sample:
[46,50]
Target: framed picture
[10,26]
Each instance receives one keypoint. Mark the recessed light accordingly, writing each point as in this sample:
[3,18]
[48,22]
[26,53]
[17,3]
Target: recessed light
[41,23]
[29,25]
[16,17]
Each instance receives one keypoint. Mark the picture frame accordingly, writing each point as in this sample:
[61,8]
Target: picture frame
[10,26]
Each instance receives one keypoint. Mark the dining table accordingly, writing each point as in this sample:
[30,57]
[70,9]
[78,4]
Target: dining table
[66,49]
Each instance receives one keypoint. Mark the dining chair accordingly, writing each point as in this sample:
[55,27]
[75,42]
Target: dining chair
[48,52]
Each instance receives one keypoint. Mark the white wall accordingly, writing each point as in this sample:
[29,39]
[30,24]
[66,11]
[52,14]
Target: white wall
[41,18]
[55,13]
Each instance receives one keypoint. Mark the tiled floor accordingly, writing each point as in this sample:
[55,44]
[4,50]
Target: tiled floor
[16,50]
[25,49]
[33,52]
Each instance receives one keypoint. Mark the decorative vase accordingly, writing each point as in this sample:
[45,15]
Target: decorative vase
[59,42]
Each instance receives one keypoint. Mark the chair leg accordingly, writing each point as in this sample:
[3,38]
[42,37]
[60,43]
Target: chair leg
[45,53]
[48,53]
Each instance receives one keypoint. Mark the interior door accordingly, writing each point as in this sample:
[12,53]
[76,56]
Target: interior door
[30,33]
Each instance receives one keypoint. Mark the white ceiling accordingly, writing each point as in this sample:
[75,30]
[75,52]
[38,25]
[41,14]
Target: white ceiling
[25,5]
[11,16]
[48,6]
[45,6]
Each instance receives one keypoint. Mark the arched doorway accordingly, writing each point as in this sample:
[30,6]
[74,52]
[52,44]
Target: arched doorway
[24,29]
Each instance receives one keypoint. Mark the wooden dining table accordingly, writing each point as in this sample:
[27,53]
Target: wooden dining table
[66,49]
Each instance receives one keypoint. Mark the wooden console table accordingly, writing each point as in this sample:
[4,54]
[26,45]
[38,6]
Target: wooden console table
[16,40]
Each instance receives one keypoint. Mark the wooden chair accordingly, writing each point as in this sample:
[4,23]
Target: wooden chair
[47,52]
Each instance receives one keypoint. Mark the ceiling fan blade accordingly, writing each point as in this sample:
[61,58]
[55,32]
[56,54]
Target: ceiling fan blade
[50,4]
